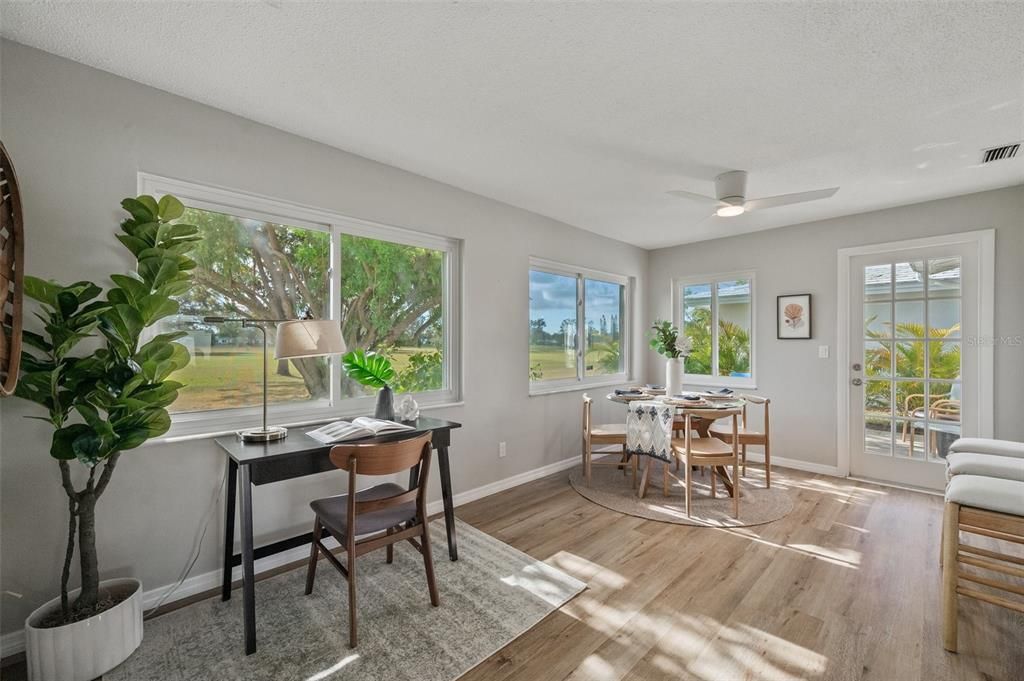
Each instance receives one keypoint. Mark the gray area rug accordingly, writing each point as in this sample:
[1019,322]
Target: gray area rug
[757,505]
[490,596]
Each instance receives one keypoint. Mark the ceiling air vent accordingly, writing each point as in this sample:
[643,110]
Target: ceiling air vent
[1000,153]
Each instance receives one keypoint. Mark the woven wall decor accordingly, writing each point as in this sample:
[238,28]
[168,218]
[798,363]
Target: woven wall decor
[12,270]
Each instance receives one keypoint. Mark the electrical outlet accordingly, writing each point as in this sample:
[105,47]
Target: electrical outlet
[501,450]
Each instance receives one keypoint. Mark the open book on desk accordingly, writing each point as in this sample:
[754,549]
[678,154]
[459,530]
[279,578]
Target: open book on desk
[364,426]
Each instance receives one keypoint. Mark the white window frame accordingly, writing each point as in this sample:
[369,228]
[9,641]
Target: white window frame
[714,380]
[258,207]
[582,381]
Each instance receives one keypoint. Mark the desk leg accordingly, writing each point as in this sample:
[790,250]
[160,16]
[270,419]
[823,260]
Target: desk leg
[248,581]
[446,497]
[231,482]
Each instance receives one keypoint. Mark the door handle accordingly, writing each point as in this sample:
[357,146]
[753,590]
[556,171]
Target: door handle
[856,367]
[857,381]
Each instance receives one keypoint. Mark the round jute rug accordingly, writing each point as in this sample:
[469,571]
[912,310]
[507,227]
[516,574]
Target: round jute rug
[609,488]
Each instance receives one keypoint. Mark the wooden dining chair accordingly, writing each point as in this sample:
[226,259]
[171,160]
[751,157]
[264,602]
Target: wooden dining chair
[388,513]
[747,435]
[602,435]
[698,451]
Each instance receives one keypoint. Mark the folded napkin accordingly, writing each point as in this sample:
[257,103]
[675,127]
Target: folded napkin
[688,396]
[628,392]
[651,386]
[723,391]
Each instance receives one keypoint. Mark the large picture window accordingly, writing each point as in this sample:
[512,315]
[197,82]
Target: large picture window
[392,291]
[717,314]
[578,327]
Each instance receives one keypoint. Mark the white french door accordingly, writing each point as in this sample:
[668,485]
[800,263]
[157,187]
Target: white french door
[918,368]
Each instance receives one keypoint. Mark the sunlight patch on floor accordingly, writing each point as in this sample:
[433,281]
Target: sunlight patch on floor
[333,669]
[588,571]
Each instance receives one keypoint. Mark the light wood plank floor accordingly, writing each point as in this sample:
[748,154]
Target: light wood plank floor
[845,587]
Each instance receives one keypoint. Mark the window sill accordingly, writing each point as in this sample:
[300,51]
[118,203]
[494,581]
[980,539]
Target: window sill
[710,382]
[198,430]
[576,387]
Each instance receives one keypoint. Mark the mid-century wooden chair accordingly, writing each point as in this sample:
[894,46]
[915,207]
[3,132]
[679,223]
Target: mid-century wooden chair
[387,512]
[603,434]
[748,436]
[693,451]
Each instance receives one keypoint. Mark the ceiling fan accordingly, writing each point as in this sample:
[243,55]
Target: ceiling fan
[731,195]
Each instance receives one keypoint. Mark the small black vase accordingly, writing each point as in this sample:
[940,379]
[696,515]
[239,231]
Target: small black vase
[385,404]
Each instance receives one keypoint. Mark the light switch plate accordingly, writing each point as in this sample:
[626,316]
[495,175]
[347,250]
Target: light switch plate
[822,352]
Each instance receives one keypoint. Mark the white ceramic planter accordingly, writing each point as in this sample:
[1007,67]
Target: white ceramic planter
[85,650]
[674,376]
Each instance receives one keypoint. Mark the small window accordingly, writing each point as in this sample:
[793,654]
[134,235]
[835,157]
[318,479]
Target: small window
[578,327]
[717,314]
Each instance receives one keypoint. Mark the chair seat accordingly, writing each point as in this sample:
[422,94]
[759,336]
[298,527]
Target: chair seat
[990,465]
[984,445]
[702,446]
[333,511]
[990,494]
[722,430]
[609,430]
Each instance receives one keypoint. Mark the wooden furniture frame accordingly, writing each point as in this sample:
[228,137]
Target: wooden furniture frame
[376,459]
[746,436]
[250,464]
[12,274]
[709,451]
[991,524]
[603,434]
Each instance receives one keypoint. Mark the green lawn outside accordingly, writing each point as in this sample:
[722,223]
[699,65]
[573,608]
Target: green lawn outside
[231,376]
[552,362]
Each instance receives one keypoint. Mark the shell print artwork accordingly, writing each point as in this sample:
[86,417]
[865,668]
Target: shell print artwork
[794,315]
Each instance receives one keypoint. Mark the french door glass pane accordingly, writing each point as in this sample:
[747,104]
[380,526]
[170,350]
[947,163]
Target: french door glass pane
[878,358]
[877,282]
[944,277]
[604,303]
[910,319]
[878,320]
[391,303]
[552,326]
[249,268]
[909,280]
[878,398]
[697,326]
[877,435]
[734,328]
[945,359]
[944,318]
[908,440]
[910,358]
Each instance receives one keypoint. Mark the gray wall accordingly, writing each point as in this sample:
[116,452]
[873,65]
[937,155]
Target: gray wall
[802,259]
[79,136]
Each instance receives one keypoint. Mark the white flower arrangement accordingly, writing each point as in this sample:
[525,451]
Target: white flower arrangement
[683,345]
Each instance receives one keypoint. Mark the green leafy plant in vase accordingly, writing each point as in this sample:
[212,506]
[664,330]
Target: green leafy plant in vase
[102,399]
[667,340]
[375,371]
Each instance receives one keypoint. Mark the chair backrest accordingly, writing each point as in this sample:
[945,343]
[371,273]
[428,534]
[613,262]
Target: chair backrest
[384,458]
[757,399]
[587,405]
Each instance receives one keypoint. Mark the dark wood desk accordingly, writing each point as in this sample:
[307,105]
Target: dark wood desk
[295,456]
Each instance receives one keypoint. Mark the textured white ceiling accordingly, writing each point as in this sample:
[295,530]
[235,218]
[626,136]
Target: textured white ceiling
[590,112]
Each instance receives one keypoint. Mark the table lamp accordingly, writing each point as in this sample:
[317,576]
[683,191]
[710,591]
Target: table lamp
[296,338]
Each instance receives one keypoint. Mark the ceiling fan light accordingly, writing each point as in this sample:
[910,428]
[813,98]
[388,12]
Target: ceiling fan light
[729,211]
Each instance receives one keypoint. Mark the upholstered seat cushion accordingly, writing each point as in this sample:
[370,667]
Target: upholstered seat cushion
[971,463]
[991,494]
[333,511]
[984,445]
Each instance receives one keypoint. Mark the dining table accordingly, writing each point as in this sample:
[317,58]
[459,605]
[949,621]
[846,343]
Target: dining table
[700,423]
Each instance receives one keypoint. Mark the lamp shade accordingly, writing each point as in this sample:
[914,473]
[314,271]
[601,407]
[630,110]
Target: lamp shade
[308,338]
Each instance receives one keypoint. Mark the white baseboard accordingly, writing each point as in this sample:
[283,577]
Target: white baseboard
[14,642]
[796,464]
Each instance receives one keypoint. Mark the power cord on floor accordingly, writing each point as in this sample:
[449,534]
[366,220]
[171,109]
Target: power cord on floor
[197,547]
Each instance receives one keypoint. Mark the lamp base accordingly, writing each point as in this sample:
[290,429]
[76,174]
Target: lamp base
[268,434]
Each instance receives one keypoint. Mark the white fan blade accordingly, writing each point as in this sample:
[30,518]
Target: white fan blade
[787,199]
[690,195]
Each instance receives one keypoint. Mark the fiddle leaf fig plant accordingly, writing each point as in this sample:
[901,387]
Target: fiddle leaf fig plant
[102,401]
